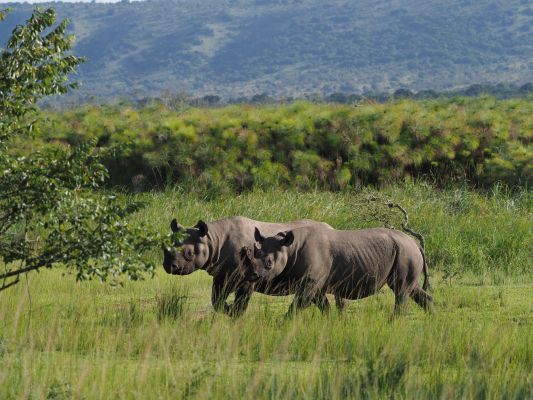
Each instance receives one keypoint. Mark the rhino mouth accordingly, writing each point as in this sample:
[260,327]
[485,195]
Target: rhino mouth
[252,277]
[174,269]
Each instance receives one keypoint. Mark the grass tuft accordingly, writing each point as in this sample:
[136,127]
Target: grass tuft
[171,303]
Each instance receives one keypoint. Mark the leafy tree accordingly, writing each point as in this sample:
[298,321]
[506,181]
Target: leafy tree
[50,211]
[34,64]
[403,94]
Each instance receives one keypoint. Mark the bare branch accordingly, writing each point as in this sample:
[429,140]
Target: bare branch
[376,215]
[405,222]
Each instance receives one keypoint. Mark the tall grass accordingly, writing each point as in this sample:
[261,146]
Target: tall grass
[473,346]
[490,235]
[160,338]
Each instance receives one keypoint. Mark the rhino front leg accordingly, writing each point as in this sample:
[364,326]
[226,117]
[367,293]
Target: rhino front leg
[299,303]
[242,298]
[322,302]
[219,294]
[305,295]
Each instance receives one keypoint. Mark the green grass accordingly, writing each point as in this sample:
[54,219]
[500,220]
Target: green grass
[161,339]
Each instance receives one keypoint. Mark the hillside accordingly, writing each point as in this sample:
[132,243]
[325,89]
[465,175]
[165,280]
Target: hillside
[288,48]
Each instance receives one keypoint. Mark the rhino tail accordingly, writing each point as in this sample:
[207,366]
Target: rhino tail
[425,285]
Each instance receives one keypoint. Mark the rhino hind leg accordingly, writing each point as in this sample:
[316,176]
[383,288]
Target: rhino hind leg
[422,298]
[400,303]
[402,288]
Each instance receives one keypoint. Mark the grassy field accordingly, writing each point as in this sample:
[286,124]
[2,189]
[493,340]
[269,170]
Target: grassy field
[160,338]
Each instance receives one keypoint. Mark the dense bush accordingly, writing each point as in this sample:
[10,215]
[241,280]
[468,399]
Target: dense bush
[481,141]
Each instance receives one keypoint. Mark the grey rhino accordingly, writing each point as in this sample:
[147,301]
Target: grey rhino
[215,248]
[313,261]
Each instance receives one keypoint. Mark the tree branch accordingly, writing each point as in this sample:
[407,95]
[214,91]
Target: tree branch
[405,222]
[377,217]
[5,286]
[21,271]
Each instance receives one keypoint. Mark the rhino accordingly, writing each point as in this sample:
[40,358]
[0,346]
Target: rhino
[351,264]
[215,248]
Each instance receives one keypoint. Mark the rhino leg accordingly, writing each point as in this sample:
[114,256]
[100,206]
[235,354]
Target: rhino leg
[308,292]
[401,294]
[300,302]
[219,294]
[400,303]
[322,302]
[422,298]
[340,303]
[243,295]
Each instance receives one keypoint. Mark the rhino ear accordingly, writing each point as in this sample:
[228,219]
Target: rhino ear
[288,239]
[202,227]
[258,237]
[175,226]
[247,253]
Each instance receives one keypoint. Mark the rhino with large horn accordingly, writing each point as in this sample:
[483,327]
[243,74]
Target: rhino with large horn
[216,248]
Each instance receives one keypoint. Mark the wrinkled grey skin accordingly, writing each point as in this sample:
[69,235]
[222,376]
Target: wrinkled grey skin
[216,248]
[312,261]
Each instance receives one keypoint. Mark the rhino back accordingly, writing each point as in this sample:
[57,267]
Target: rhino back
[352,263]
[232,234]
[361,261]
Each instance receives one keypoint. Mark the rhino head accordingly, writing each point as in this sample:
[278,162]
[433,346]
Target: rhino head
[269,256]
[248,265]
[189,254]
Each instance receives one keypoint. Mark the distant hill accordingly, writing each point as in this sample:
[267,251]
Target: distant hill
[290,48]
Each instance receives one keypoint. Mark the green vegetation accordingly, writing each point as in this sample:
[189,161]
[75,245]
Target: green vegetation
[161,339]
[292,48]
[475,141]
[50,211]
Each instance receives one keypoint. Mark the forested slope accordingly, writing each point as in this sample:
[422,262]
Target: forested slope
[287,48]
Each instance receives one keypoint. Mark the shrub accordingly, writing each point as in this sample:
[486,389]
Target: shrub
[481,141]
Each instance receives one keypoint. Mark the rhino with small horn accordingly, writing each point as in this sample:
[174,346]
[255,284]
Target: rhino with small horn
[313,261]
